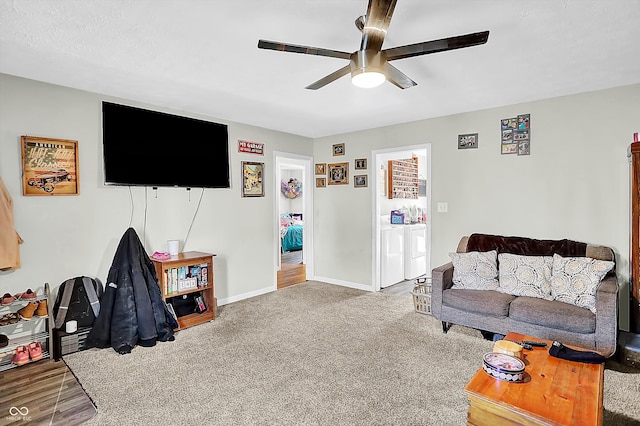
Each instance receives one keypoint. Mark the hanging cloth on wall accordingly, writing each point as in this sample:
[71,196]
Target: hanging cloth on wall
[9,237]
[292,188]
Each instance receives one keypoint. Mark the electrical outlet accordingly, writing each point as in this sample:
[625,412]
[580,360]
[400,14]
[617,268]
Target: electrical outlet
[443,207]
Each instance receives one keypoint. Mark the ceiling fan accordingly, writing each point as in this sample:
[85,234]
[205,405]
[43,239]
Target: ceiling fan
[369,66]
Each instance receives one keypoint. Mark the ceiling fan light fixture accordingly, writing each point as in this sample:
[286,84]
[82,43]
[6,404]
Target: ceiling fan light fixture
[368,79]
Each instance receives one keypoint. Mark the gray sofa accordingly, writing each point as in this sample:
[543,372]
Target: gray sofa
[498,312]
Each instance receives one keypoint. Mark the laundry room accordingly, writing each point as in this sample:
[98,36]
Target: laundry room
[404,214]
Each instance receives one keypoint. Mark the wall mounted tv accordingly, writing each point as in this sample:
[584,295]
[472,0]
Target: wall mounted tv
[150,148]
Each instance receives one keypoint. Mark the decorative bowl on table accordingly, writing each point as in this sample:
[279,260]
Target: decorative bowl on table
[503,367]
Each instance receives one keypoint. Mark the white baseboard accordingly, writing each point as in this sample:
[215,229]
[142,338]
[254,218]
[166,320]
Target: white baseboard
[349,284]
[248,295]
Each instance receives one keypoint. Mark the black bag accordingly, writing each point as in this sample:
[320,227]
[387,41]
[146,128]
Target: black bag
[185,304]
[79,307]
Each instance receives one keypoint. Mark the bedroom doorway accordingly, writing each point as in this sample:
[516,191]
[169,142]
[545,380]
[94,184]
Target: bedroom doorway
[293,213]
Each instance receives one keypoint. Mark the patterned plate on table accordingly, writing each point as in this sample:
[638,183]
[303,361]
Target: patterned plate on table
[503,367]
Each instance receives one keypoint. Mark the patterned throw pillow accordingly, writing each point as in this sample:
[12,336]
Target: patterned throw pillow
[525,275]
[475,270]
[575,280]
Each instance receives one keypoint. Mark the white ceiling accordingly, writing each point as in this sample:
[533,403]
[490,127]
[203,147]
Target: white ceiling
[201,56]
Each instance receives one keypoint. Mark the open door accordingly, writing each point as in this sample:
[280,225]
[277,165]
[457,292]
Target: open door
[293,213]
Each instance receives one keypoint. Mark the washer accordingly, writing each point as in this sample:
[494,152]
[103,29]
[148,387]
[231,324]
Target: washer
[391,255]
[415,250]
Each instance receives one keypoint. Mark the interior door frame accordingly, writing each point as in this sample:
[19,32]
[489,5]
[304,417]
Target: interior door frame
[375,220]
[279,159]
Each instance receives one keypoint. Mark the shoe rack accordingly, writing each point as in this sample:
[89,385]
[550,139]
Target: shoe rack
[23,332]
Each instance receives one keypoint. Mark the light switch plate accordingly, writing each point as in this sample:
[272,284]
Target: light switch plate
[443,207]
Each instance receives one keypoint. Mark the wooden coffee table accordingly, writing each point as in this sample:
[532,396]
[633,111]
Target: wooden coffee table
[555,392]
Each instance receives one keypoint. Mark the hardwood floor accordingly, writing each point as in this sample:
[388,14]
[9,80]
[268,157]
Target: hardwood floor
[44,392]
[292,270]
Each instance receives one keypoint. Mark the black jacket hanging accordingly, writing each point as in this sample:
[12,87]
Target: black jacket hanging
[131,310]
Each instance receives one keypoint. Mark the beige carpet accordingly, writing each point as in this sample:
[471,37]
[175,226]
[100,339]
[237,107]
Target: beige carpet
[309,354]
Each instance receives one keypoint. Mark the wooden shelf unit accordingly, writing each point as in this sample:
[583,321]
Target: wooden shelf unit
[403,179]
[189,258]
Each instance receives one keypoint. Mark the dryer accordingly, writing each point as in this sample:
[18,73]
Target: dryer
[415,250]
[391,255]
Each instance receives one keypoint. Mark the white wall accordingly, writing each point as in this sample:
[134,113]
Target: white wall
[573,185]
[67,236]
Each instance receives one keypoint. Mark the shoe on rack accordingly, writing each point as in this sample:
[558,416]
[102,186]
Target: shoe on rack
[35,351]
[21,357]
[9,319]
[27,295]
[7,299]
[42,310]
[26,313]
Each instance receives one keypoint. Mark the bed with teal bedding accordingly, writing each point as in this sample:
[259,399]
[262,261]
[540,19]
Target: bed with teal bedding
[291,227]
[292,239]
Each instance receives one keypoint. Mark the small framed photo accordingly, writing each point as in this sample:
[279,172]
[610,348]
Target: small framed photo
[468,141]
[321,168]
[321,182]
[360,181]
[338,149]
[50,166]
[338,173]
[361,163]
[252,183]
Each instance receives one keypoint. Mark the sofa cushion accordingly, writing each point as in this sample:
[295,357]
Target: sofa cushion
[552,314]
[475,270]
[575,280]
[525,275]
[490,302]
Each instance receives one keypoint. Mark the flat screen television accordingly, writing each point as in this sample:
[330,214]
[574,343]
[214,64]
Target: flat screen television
[150,148]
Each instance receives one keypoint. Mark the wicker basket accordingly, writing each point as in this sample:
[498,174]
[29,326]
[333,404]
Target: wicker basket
[422,298]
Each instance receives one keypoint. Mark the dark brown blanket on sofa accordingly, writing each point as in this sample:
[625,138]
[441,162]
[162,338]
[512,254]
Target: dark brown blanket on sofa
[525,246]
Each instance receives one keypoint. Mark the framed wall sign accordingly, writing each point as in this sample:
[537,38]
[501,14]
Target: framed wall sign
[49,166]
[338,173]
[252,182]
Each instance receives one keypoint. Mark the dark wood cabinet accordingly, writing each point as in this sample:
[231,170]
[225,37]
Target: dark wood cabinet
[634,240]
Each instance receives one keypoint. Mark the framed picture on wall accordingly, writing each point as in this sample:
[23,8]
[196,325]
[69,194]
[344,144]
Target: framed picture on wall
[252,182]
[321,168]
[338,173]
[468,141]
[360,181]
[338,149]
[49,166]
[360,163]
[321,182]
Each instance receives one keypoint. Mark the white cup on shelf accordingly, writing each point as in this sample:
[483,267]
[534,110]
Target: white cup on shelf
[173,247]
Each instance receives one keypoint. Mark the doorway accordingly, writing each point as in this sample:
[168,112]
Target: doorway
[293,208]
[401,252]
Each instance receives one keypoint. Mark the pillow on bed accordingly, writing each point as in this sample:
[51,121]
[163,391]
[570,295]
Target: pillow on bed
[475,270]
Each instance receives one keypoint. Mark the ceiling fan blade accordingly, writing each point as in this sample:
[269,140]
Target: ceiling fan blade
[376,23]
[397,77]
[330,78]
[435,46]
[308,50]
